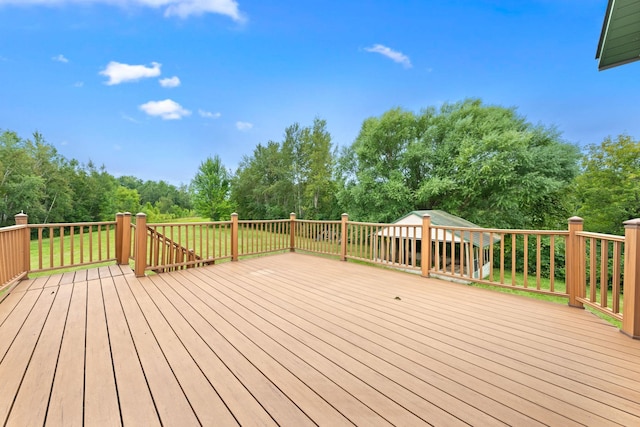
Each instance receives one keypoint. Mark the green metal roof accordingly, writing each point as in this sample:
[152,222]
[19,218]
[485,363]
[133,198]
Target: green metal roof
[620,37]
[446,219]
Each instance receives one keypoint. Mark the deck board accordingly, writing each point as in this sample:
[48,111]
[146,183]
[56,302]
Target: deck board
[66,402]
[206,403]
[32,398]
[100,394]
[358,313]
[240,402]
[391,359]
[172,406]
[136,404]
[294,339]
[16,360]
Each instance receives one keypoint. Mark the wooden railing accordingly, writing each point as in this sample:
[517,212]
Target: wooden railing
[590,269]
[601,258]
[261,237]
[72,244]
[14,254]
[526,260]
[321,237]
[171,246]
[391,245]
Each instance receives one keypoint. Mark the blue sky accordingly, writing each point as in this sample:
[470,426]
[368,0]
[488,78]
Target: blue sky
[152,87]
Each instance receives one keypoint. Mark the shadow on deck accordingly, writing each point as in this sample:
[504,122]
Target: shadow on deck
[300,340]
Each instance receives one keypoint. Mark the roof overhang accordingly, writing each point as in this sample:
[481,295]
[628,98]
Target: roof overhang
[620,37]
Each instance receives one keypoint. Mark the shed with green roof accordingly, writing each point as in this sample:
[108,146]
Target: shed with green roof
[449,239]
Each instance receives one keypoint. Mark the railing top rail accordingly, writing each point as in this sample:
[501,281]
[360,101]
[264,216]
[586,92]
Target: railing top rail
[183,224]
[316,221]
[611,237]
[264,221]
[381,224]
[12,227]
[502,230]
[71,224]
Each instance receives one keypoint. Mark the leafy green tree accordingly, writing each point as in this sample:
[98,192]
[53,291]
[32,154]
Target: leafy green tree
[295,175]
[53,169]
[262,187]
[159,193]
[608,189]
[126,200]
[483,163]
[20,188]
[211,189]
[320,189]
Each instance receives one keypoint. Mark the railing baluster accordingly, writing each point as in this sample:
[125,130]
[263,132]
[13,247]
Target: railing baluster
[538,260]
[604,270]
[615,287]
[592,267]
[552,262]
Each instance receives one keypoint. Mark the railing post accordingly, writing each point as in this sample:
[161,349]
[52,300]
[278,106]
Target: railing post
[125,251]
[343,237]
[141,245]
[119,218]
[574,264]
[234,236]
[631,309]
[292,232]
[23,219]
[425,247]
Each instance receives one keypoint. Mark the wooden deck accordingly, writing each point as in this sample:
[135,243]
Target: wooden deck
[300,340]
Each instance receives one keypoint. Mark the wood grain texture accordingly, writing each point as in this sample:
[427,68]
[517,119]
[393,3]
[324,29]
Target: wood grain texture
[295,339]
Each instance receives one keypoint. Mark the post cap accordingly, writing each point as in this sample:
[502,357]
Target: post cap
[632,223]
[426,215]
[575,219]
[141,214]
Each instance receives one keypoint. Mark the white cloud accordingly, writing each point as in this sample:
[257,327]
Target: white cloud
[180,8]
[60,58]
[167,109]
[120,73]
[209,115]
[170,82]
[243,126]
[78,84]
[395,56]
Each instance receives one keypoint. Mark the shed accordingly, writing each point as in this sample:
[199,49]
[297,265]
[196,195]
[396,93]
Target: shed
[453,250]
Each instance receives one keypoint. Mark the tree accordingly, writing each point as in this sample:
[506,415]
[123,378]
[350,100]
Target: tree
[608,189]
[262,187]
[320,190]
[126,200]
[211,190]
[20,188]
[483,163]
[295,175]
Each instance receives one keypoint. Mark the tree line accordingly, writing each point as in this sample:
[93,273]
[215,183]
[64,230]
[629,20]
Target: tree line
[36,179]
[485,163]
